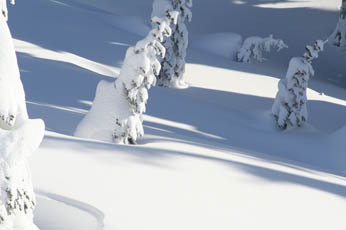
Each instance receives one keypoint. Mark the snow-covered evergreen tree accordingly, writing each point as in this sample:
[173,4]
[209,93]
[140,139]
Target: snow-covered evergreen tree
[338,37]
[253,48]
[19,138]
[173,64]
[116,114]
[289,108]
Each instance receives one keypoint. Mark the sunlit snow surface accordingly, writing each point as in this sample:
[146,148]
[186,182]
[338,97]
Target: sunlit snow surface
[211,157]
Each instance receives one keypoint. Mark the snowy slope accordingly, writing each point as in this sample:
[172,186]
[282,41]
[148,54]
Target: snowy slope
[211,157]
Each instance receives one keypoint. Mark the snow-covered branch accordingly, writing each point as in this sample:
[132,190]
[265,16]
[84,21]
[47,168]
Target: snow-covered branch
[289,108]
[253,48]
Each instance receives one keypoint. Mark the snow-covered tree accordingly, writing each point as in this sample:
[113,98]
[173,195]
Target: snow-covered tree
[338,37]
[289,108]
[19,138]
[253,48]
[116,114]
[173,64]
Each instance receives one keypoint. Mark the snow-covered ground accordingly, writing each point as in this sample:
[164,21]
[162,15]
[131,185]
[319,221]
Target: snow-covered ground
[68,214]
[211,157]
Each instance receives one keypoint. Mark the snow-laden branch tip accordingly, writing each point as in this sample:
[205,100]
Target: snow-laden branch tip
[253,48]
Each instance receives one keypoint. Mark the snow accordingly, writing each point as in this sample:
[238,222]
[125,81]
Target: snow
[253,48]
[12,98]
[222,44]
[19,138]
[100,122]
[66,213]
[128,95]
[211,156]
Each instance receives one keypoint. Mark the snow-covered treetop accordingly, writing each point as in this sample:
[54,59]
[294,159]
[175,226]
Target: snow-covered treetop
[312,51]
[289,108]
[138,74]
[162,7]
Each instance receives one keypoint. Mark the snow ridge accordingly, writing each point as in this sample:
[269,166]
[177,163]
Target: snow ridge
[98,214]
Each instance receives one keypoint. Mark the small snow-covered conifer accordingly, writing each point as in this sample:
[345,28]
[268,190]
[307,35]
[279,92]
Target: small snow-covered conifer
[19,138]
[173,64]
[138,74]
[338,37]
[253,48]
[289,108]
[117,109]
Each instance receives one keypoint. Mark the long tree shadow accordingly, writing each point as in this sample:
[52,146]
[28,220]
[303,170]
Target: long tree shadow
[58,27]
[157,157]
[238,121]
[57,92]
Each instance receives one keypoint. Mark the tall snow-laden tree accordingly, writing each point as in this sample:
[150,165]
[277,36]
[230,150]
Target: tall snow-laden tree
[338,37]
[19,138]
[289,108]
[173,64]
[116,113]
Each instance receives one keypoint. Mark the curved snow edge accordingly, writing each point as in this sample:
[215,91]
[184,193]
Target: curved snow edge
[98,214]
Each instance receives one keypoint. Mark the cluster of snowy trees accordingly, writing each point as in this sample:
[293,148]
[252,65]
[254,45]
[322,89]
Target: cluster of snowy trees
[289,108]
[116,113]
[118,107]
[19,138]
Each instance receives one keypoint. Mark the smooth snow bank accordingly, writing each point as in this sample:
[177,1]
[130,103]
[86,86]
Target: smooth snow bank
[172,185]
[108,105]
[222,44]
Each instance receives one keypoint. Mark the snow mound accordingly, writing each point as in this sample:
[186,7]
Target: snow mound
[108,105]
[220,44]
[22,141]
